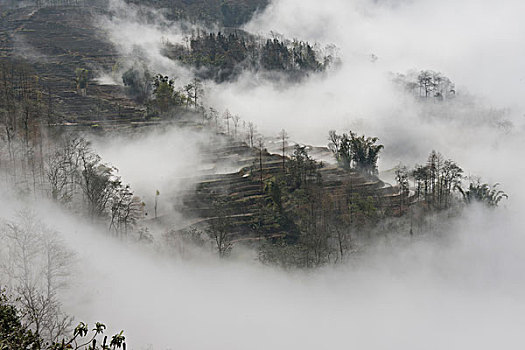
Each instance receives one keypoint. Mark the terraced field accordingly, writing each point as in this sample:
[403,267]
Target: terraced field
[242,195]
[58,40]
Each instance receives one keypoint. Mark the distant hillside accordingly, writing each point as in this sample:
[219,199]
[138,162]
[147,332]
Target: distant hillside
[227,13]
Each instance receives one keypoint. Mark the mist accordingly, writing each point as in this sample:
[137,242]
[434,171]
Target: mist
[457,285]
[474,43]
[460,288]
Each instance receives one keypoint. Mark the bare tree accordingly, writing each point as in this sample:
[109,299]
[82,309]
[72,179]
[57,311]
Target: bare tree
[283,136]
[36,265]
[251,133]
[215,116]
[402,181]
[98,184]
[126,209]
[236,120]
[260,147]
[227,115]
[220,227]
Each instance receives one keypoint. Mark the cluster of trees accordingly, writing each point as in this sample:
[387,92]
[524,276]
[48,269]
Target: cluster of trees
[323,221]
[428,84]
[483,193]
[438,185]
[159,93]
[34,265]
[436,181]
[25,109]
[37,162]
[41,162]
[319,219]
[355,152]
[76,173]
[223,57]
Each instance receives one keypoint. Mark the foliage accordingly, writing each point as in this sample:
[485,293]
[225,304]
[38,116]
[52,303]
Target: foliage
[81,78]
[427,84]
[358,152]
[83,338]
[223,57]
[219,229]
[436,181]
[138,83]
[15,335]
[165,94]
[73,169]
[483,193]
[301,168]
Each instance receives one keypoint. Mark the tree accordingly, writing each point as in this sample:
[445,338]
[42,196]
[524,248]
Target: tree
[126,209]
[62,167]
[402,181]
[436,181]
[13,333]
[251,133]
[165,94]
[138,83]
[352,151]
[483,193]
[82,78]
[157,194]
[283,136]
[98,183]
[35,268]
[301,168]
[220,226]
[235,120]
[193,91]
[260,147]
[227,116]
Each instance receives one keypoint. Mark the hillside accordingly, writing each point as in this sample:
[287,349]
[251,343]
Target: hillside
[52,43]
[226,13]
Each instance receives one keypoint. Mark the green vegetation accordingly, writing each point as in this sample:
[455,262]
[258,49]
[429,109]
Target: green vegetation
[15,335]
[223,57]
[357,152]
[483,193]
[82,78]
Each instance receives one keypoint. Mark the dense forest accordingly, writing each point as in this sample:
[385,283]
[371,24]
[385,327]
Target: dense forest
[223,57]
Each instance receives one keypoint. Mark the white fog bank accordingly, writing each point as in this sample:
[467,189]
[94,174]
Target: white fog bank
[460,289]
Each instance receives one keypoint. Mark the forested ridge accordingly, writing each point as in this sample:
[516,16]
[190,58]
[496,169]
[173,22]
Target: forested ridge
[223,57]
